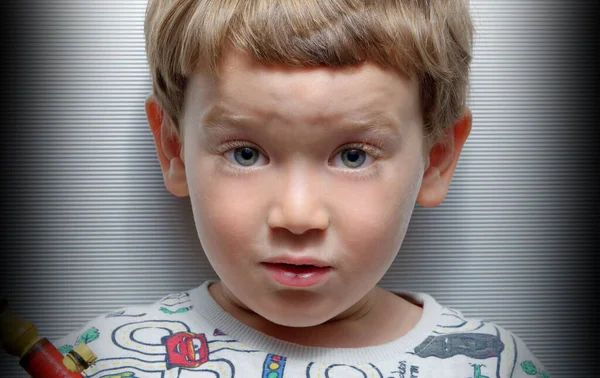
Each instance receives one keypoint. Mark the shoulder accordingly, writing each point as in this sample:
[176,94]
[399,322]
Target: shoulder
[483,339]
[100,332]
[483,348]
[146,341]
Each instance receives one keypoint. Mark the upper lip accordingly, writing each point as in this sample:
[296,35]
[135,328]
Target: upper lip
[297,260]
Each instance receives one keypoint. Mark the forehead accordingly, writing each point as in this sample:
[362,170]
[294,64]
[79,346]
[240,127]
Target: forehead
[307,95]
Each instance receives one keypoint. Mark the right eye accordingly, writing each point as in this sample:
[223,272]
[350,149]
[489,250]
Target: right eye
[246,156]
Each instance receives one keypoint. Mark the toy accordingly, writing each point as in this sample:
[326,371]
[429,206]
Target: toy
[37,355]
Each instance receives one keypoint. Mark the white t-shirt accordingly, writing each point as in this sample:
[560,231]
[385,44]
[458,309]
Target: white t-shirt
[189,335]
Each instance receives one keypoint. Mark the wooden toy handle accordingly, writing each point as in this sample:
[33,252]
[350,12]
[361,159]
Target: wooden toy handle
[37,355]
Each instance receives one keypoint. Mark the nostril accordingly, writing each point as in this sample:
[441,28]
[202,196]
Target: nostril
[298,219]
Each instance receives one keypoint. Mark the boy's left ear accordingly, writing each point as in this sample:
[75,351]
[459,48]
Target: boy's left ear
[443,158]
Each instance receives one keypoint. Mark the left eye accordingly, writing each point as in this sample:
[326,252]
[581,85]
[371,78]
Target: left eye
[244,156]
[352,158]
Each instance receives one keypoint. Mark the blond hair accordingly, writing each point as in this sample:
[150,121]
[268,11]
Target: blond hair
[430,39]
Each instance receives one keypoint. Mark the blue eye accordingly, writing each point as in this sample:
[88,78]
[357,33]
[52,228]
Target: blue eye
[246,156]
[354,158]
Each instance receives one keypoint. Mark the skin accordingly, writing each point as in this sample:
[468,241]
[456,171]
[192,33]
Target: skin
[300,197]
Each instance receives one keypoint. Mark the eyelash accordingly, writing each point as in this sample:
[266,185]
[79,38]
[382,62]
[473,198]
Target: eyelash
[232,144]
[365,145]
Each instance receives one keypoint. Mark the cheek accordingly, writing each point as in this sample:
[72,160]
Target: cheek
[226,215]
[372,225]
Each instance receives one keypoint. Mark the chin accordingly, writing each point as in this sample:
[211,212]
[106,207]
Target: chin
[297,322]
[290,316]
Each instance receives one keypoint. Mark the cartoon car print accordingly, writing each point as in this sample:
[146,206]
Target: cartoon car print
[186,349]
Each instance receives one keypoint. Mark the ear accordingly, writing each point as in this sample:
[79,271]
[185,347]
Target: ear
[168,148]
[443,158]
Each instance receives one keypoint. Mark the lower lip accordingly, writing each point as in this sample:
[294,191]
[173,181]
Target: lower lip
[297,277]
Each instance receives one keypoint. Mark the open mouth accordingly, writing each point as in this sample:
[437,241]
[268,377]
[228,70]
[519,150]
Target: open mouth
[298,275]
[298,269]
[303,272]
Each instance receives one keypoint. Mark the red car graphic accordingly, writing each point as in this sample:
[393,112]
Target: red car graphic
[186,349]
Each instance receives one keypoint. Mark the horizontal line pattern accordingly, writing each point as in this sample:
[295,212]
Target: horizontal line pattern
[94,228]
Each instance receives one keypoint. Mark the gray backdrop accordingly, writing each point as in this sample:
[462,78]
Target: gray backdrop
[89,226]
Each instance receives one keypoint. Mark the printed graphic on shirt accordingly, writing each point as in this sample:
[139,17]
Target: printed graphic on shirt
[186,349]
[474,345]
[176,303]
[163,345]
[314,370]
[167,348]
[273,366]
[127,374]
[452,322]
[477,371]
[406,370]
[461,340]
[122,314]
[530,369]
[86,337]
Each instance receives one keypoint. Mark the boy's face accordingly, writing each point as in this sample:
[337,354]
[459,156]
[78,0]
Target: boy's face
[279,170]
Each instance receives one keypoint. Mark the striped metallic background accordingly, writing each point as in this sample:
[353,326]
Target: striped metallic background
[89,226]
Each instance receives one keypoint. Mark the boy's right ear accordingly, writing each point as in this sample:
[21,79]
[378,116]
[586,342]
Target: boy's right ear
[168,148]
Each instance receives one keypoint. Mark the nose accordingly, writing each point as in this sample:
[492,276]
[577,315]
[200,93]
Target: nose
[298,204]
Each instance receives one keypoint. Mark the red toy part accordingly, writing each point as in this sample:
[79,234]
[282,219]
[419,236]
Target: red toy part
[45,361]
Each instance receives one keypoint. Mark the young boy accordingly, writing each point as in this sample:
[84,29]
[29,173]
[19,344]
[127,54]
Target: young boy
[304,133]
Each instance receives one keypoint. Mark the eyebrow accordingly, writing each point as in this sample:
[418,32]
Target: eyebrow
[381,124]
[218,118]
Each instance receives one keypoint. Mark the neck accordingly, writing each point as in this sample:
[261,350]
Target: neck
[366,323]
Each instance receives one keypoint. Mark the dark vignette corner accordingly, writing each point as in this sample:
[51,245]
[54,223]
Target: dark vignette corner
[585,73]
